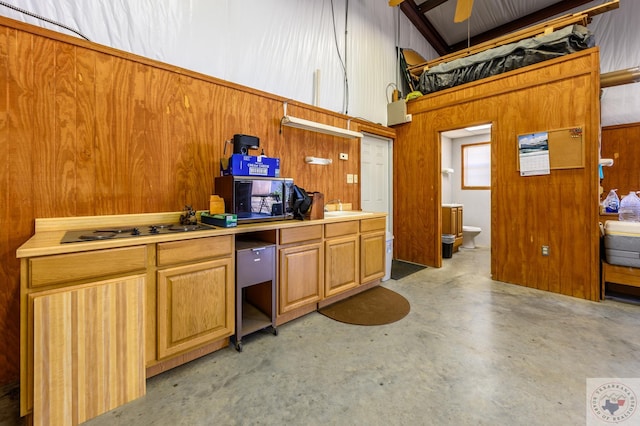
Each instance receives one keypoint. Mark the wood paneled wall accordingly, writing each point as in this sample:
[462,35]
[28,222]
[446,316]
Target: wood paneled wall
[622,143]
[89,130]
[559,210]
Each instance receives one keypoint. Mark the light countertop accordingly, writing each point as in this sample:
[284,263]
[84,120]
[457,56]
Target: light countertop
[49,231]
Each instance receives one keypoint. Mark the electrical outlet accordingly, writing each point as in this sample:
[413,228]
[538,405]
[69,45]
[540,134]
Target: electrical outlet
[545,250]
[344,156]
[349,178]
[355,178]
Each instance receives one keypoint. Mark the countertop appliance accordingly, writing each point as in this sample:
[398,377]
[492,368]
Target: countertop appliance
[107,233]
[256,199]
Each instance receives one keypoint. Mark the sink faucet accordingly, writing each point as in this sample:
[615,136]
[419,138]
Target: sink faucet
[331,202]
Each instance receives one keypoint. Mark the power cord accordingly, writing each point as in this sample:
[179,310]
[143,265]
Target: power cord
[345,102]
[42,18]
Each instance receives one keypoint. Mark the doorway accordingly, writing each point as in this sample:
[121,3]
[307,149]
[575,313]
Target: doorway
[476,201]
[376,169]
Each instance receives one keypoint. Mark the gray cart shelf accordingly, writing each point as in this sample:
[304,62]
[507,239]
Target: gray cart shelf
[255,288]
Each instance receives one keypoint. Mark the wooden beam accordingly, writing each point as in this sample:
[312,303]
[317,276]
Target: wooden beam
[530,19]
[427,5]
[423,25]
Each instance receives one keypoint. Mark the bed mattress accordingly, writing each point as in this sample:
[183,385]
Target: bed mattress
[622,243]
[508,57]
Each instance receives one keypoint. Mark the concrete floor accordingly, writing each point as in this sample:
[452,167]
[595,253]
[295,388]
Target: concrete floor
[471,351]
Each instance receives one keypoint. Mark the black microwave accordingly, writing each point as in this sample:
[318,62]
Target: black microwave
[256,199]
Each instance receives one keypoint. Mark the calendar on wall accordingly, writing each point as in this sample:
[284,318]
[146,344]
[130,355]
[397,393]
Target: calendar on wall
[533,154]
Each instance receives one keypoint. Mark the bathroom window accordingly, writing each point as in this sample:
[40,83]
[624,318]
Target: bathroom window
[476,166]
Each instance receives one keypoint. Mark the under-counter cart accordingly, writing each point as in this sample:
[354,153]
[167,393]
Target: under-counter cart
[255,288]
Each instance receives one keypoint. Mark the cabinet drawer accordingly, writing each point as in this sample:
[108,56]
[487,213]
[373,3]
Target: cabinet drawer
[255,265]
[300,233]
[66,268]
[341,228]
[194,250]
[377,224]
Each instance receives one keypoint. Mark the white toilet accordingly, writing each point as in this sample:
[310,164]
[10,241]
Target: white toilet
[468,236]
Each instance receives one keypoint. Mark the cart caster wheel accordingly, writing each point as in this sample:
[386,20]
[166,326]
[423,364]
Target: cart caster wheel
[275,331]
[239,346]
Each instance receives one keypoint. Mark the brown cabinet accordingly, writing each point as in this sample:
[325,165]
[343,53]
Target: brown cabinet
[155,305]
[452,224]
[372,249]
[342,257]
[80,334]
[300,268]
[195,296]
[81,316]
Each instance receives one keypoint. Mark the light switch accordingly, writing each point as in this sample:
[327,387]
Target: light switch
[355,178]
[349,178]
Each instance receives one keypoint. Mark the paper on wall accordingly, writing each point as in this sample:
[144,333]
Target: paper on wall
[533,150]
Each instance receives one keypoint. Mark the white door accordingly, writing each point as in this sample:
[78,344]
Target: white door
[376,168]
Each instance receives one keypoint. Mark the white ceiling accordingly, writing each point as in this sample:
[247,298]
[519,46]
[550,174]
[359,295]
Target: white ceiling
[463,133]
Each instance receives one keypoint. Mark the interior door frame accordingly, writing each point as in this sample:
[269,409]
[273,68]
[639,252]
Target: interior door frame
[389,176]
[493,180]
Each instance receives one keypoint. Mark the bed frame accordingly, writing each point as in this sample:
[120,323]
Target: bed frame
[615,274]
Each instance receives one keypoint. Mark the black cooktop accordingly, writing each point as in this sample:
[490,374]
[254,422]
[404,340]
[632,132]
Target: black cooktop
[108,233]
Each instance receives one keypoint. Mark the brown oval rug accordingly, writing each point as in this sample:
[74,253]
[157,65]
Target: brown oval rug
[376,306]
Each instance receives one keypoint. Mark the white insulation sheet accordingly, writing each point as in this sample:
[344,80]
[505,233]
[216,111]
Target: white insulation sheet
[286,47]
[278,46]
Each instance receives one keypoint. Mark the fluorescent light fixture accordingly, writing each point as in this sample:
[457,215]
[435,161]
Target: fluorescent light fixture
[318,160]
[478,128]
[300,123]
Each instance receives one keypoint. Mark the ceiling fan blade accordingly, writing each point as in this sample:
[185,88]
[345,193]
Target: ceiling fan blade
[463,10]
[394,3]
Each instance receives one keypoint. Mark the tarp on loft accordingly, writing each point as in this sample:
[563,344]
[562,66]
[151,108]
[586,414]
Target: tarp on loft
[570,39]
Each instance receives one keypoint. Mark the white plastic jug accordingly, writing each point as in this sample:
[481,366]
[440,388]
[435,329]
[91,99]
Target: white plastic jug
[612,202]
[629,210]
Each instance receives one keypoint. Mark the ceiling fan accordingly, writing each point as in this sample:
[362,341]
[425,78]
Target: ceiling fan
[463,9]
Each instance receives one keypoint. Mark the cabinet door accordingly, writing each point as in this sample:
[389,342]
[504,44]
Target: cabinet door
[88,350]
[195,305]
[453,229]
[342,264]
[447,222]
[459,222]
[372,256]
[301,276]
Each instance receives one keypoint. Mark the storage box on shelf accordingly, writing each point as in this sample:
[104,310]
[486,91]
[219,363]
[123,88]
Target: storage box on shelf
[250,165]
